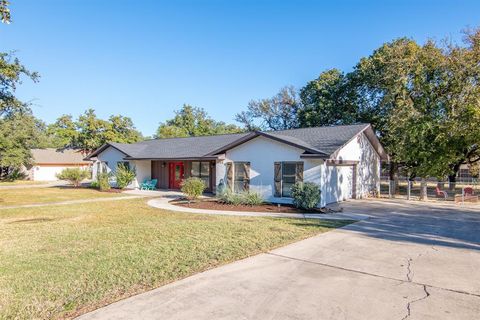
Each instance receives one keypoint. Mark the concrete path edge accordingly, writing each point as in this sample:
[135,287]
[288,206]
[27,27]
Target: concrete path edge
[164,203]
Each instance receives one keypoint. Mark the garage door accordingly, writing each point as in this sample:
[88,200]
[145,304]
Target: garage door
[339,183]
[46,173]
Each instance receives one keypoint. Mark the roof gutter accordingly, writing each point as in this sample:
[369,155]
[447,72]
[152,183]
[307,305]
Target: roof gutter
[173,159]
[313,156]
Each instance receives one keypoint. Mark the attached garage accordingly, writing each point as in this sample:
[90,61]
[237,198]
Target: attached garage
[340,182]
[47,163]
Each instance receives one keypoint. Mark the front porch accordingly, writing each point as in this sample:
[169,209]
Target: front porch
[170,173]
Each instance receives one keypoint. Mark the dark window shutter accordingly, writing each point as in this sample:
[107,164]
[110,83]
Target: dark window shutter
[299,172]
[278,179]
[246,168]
[229,174]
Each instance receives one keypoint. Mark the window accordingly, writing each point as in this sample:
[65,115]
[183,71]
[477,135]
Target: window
[241,181]
[238,176]
[286,174]
[201,170]
[288,177]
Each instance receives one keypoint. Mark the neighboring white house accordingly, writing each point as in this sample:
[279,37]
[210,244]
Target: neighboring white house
[48,162]
[343,160]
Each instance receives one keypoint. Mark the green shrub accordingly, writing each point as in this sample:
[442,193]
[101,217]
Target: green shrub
[229,197]
[251,198]
[94,185]
[245,198]
[73,175]
[305,195]
[15,174]
[193,187]
[124,176]
[103,180]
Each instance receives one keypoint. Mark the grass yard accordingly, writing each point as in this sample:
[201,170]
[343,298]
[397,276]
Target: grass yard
[14,197]
[20,182]
[60,261]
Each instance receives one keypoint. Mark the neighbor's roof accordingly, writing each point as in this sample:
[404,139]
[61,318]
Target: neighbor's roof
[58,156]
[318,141]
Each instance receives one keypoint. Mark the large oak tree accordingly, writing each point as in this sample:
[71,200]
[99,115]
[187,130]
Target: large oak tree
[192,121]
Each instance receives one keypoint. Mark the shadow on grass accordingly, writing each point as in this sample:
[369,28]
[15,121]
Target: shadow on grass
[315,223]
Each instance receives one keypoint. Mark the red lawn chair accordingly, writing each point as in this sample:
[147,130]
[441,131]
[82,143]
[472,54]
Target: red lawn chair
[468,191]
[441,193]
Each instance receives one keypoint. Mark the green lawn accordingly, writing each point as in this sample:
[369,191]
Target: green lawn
[60,261]
[20,182]
[14,197]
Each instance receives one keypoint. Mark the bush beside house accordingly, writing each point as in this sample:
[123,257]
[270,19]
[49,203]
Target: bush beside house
[73,175]
[245,198]
[124,176]
[306,195]
[103,181]
[193,188]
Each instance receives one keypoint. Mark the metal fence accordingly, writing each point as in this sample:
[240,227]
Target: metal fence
[460,191]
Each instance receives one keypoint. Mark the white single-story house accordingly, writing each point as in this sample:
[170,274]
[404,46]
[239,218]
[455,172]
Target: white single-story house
[343,160]
[48,162]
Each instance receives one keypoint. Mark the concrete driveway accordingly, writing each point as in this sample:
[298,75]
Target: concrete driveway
[409,261]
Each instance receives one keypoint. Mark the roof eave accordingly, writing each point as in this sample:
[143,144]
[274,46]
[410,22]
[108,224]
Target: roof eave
[101,149]
[173,159]
[320,156]
[255,134]
[233,144]
[293,144]
[372,138]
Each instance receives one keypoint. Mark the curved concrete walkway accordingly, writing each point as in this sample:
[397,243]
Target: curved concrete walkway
[164,203]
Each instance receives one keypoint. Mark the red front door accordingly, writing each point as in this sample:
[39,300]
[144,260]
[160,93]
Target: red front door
[176,174]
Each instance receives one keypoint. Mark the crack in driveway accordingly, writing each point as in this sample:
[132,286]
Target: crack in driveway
[409,270]
[409,279]
[409,304]
[400,281]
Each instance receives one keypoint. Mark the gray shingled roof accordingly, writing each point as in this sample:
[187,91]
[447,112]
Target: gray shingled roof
[53,156]
[175,148]
[323,141]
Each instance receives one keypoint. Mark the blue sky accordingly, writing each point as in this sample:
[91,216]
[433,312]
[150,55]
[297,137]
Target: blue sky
[144,59]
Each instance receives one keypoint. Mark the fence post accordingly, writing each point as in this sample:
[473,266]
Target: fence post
[408,189]
[423,190]
[390,194]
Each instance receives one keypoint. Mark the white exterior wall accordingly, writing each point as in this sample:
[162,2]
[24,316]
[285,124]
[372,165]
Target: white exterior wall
[112,156]
[368,168]
[144,171]
[262,153]
[49,172]
[337,183]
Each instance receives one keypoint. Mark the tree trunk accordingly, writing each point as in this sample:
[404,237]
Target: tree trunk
[423,190]
[452,179]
